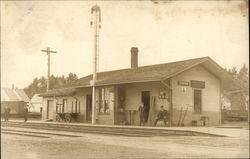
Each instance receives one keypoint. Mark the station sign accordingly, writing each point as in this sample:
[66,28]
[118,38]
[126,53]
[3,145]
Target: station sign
[183,83]
[197,84]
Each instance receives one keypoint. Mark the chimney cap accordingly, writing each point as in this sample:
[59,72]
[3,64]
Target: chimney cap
[134,57]
[134,49]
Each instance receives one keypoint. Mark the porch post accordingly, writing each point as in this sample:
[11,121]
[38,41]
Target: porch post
[54,107]
[221,117]
[93,105]
[169,87]
[171,103]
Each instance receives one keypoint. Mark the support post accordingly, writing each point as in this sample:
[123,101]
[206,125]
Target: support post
[169,87]
[48,83]
[97,20]
[48,51]
[93,106]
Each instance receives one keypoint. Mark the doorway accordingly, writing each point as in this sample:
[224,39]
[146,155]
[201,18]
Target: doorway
[145,98]
[88,107]
[49,109]
[197,101]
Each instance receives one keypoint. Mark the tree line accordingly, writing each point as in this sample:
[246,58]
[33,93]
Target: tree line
[39,85]
[242,76]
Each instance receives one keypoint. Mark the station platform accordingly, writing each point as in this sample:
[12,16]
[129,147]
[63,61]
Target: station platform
[129,130]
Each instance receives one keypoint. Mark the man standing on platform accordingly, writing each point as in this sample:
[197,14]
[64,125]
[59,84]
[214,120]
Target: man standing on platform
[25,113]
[6,113]
[141,114]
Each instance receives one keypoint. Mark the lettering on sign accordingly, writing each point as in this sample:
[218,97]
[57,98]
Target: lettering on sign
[197,84]
[183,83]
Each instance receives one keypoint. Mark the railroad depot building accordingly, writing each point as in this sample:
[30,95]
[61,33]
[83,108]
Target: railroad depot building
[194,86]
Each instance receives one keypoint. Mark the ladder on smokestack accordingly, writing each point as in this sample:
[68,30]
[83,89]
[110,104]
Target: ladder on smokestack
[98,51]
[96,12]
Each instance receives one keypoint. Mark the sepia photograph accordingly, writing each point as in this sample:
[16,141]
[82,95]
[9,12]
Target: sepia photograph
[143,79]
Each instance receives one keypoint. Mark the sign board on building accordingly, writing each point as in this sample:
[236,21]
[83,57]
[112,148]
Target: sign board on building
[183,83]
[183,89]
[163,93]
[197,84]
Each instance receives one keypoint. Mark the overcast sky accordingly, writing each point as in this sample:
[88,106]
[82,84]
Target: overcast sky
[163,32]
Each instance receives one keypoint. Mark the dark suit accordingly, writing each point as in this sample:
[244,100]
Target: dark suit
[162,115]
[141,115]
[6,114]
[25,113]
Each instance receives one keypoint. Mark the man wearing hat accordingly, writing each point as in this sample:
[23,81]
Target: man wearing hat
[6,113]
[141,111]
[25,113]
[162,115]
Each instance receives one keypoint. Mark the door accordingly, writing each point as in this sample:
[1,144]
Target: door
[50,109]
[197,101]
[88,107]
[145,98]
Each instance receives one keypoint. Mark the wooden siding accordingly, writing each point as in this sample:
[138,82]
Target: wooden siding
[210,96]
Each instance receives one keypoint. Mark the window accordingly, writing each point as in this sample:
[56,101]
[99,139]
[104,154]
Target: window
[197,101]
[101,100]
[105,100]
[59,108]
[41,109]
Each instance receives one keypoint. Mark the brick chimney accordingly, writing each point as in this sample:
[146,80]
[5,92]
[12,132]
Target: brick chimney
[134,57]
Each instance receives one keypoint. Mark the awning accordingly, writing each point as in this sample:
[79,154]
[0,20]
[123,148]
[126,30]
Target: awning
[59,92]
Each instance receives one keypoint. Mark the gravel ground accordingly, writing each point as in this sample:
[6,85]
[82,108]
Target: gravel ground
[106,146]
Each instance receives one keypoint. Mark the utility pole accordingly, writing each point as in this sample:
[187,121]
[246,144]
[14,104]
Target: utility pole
[48,51]
[96,12]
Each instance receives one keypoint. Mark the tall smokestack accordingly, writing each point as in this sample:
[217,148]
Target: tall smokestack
[134,57]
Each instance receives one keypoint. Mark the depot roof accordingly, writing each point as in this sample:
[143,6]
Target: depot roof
[148,73]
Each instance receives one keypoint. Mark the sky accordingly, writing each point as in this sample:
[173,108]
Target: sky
[163,32]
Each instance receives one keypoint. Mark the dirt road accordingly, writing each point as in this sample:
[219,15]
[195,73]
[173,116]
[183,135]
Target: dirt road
[78,145]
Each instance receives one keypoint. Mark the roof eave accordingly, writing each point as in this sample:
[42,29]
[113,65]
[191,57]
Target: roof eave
[187,68]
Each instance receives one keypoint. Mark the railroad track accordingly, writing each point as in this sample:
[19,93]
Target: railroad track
[24,134]
[106,130]
[34,133]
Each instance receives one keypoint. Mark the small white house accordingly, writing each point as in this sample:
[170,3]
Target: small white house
[36,104]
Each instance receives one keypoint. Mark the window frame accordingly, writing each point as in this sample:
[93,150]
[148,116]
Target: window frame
[104,100]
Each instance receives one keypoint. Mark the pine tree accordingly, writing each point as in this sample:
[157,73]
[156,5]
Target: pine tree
[242,77]
[39,85]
